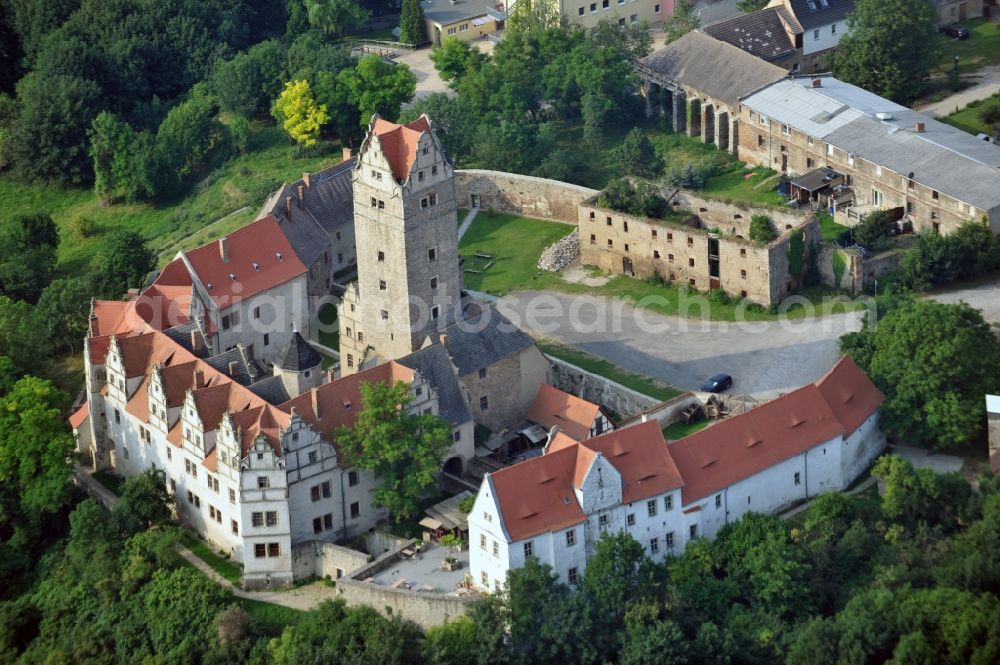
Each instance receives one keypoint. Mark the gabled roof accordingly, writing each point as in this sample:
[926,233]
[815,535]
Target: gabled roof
[741,446]
[571,414]
[537,495]
[760,33]
[399,143]
[483,340]
[817,13]
[340,401]
[80,416]
[259,258]
[712,67]
[297,354]
[435,366]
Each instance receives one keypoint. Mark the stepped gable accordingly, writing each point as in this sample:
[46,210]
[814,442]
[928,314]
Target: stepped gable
[399,143]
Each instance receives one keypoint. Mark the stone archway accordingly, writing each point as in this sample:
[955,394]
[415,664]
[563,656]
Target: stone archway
[453,466]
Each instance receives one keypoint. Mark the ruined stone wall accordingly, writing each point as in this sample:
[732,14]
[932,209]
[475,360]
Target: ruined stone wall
[520,194]
[599,390]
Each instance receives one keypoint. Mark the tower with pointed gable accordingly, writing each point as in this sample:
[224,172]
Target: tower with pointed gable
[409,282]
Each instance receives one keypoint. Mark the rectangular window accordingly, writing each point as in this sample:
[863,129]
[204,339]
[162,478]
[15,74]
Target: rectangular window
[529,549]
[434,282]
[263,482]
[602,522]
[580,11]
[317,525]
[326,489]
[798,478]
[668,502]
[381,285]
[484,403]
[234,525]
[482,541]
[273,549]
[496,549]
[718,501]
[432,255]
[350,360]
[355,510]
[486,579]
[328,521]
[434,169]
[420,176]
[314,493]
[170,453]
[352,478]
[654,545]
[572,575]
[786,130]
[668,540]
[656,254]
[693,531]
[435,312]
[257,519]
[482,373]
[816,35]
[267,339]
[312,454]
[260,550]
[570,538]
[630,519]
[593,8]
[232,495]
[271,518]
[651,507]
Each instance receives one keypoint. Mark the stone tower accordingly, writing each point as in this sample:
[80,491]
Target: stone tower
[409,283]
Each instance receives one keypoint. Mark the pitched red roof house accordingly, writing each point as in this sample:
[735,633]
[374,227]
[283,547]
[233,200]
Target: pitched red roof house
[571,414]
[399,143]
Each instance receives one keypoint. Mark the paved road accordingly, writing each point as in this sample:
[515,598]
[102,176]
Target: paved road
[988,84]
[984,297]
[764,358]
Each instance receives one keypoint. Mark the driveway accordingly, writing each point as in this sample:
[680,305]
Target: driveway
[984,297]
[764,358]
[420,64]
[988,85]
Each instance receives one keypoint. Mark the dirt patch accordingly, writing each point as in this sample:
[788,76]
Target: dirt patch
[577,274]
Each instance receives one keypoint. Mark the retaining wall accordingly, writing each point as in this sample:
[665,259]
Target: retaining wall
[320,559]
[521,194]
[598,389]
[664,413]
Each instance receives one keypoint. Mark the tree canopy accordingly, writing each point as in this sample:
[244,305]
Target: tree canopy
[412,28]
[404,450]
[122,263]
[890,49]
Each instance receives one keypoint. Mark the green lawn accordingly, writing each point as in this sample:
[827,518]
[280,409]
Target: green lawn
[679,430]
[609,370]
[970,120]
[245,180]
[219,564]
[328,317]
[746,187]
[112,482]
[980,49]
[514,243]
[271,618]
[829,228]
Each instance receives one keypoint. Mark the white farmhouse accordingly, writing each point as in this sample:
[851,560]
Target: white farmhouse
[554,507]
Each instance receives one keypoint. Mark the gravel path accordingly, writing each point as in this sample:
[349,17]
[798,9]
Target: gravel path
[988,85]
[764,358]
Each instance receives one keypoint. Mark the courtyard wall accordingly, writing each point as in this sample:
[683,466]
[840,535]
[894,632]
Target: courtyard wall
[520,194]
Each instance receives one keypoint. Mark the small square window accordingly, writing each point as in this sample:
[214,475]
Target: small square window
[630,519]
[263,482]
[271,518]
[260,550]
[273,550]
[482,373]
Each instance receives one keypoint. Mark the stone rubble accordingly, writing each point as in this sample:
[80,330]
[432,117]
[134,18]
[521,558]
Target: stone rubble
[561,253]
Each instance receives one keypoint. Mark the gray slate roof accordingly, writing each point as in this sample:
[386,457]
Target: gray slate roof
[713,67]
[833,11]
[443,12]
[328,205]
[483,340]
[245,370]
[182,334]
[434,365]
[271,389]
[297,354]
[759,33]
[941,157]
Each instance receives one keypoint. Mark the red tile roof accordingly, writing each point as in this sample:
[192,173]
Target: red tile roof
[98,349]
[339,401]
[260,243]
[737,448]
[561,440]
[554,408]
[80,416]
[537,495]
[399,143]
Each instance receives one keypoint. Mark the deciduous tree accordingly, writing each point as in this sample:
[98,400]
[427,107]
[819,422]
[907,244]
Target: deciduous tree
[63,309]
[404,450]
[890,48]
[376,86]
[299,114]
[456,58]
[412,28]
[28,246]
[122,263]
[334,16]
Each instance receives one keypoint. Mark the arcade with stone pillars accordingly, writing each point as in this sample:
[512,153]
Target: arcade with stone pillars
[691,112]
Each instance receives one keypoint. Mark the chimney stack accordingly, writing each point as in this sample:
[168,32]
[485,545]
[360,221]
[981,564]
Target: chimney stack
[195,341]
[94,330]
[817,83]
[314,395]
[288,206]
[305,179]
[233,366]
[346,154]
[199,379]
[302,191]
[919,128]
[224,249]
[444,340]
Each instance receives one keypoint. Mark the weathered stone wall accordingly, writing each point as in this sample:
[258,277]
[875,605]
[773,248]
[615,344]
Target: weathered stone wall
[993,423]
[875,266]
[521,194]
[319,559]
[509,385]
[849,276]
[599,390]
[664,413]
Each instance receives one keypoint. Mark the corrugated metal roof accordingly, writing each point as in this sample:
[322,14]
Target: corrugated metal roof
[940,157]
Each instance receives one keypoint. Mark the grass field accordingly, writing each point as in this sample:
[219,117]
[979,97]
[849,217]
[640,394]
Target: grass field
[609,370]
[680,430]
[515,243]
[970,119]
[219,564]
[271,618]
[829,228]
[328,317]
[980,49]
[746,186]
[243,181]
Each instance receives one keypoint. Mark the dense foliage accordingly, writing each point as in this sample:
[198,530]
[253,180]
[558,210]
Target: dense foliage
[412,28]
[635,198]
[762,229]
[934,362]
[970,251]
[890,49]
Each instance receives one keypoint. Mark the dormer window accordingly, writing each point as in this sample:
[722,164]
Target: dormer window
[256,266]
[280,257]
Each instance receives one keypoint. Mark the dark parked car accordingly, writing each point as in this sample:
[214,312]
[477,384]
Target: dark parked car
[956,30]
[718,383]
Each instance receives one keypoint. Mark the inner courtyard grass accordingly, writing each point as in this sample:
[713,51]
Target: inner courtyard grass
[679,430]
[829,229]
[743,186]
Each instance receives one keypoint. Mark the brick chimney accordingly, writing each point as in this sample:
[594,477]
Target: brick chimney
[817,83]
[444,340]
[233,367]
[346,154]
[195,341]
[314,396]
[288,206]
[224,249]
[302,193]
[199,379]
[94,330]
[919,127]
[306,179]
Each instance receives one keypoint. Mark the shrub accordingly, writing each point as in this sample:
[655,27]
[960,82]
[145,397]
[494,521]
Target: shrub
[688,177]
[84,227]
[874,231]
[641,200]
[720,297]
[990,113]
[762,229]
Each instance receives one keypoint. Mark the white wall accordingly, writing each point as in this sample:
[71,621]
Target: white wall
[282,309]
[860,449]
[827,38]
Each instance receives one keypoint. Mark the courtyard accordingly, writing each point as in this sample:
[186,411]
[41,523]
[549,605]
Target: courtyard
[423,571]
